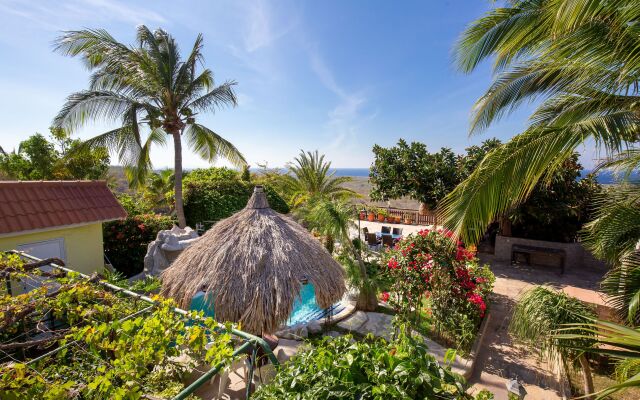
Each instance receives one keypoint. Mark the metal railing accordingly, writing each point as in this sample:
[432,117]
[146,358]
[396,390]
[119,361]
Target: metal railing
[251,342]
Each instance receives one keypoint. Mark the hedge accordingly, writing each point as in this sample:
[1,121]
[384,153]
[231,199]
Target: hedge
[214,200]
[126,240]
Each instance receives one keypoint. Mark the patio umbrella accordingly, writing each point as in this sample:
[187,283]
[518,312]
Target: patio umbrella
[250,267]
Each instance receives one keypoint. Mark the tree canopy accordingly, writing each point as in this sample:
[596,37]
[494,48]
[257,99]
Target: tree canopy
[411,170]
[151,92]
[57,158]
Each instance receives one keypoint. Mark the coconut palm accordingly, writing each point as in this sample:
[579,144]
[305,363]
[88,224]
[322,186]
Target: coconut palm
[541,311]
[579,61]
[333,219]
[309,178]
[152,93]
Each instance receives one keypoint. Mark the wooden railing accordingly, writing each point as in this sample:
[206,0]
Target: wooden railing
[413,216]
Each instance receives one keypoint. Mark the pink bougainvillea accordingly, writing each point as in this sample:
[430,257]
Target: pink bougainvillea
[434,264]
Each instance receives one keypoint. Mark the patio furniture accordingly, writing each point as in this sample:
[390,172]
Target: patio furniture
[388,241]
[372,240]
[527,251]
[386,229]
[365,231]
[397,231]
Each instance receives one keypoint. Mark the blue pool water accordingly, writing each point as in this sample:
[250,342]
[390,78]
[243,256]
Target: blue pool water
[305,308]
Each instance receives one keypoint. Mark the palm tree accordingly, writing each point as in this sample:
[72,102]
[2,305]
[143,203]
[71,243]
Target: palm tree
[617,341]
[541,311]
[309,177]
[332,219]
[147,86]
[614,236]
[158,185]
[579,60]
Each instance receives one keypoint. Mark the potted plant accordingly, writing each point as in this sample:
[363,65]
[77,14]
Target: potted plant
[398,219]
[382,214]
[371,215]
[363,214]
[408,219]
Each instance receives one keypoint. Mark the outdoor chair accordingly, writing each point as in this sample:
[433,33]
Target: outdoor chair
[387,241]
[397,231]
[372,240]
[365,231]
[386,229]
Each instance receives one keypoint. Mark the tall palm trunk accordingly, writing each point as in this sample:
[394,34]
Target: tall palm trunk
[367,300]
[586,376]
[177,166]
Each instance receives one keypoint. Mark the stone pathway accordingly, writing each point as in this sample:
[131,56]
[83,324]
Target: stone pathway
[499,359]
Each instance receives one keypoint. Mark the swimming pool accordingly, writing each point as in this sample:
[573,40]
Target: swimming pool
[305,308]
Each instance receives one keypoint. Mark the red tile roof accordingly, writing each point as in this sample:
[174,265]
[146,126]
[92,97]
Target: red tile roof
[26,206]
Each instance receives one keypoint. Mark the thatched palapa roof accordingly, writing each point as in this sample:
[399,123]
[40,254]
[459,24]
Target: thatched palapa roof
[250,266]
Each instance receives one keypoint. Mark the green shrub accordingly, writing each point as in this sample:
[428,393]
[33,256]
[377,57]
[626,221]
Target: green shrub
[435,264]
[126,240]
[337,368]
[134,204]
[217,193]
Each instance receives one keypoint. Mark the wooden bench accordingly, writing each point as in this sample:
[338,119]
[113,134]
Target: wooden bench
[527,251]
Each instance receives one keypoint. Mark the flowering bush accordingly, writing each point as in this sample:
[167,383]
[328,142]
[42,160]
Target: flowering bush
[432,271]
[126,240]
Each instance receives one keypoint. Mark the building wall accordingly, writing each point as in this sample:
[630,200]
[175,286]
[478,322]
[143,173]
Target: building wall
[576,255]
[82,245]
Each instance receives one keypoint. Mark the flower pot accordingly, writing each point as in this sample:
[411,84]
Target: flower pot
[397,219]
[380,218]
[371,217]
[362,215]
[408,221]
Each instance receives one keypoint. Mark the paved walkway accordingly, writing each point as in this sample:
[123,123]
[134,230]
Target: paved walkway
[499,359]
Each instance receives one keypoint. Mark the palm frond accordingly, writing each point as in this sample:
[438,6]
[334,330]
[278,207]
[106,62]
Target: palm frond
[504,179]
[622,286]
[216,98]
[615,230]
[209,145]
[614,340]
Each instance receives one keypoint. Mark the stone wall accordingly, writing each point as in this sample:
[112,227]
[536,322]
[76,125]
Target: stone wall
[576,255]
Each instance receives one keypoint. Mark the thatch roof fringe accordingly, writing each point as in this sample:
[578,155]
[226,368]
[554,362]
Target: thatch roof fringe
[250,265]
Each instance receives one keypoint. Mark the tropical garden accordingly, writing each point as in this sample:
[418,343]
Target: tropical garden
[576,61]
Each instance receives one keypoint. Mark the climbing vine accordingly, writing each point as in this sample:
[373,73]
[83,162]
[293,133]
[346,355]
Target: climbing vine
[108,345]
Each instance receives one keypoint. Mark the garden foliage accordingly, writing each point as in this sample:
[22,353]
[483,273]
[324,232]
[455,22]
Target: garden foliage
[106,353]
[339,368]
[126,240]
[57,158]
[433,274]
[410,170]
[216,193]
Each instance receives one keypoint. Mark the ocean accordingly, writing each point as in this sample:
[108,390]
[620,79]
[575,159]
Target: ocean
[604,177]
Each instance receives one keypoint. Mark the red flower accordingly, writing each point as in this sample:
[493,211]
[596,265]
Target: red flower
[141,227]
[393,264]
[478,301]
[384,296]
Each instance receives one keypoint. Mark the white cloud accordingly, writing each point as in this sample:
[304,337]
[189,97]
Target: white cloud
[345,119]
[50,15]
[262,27]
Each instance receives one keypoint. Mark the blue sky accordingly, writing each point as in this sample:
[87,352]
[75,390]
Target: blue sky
[337,76]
